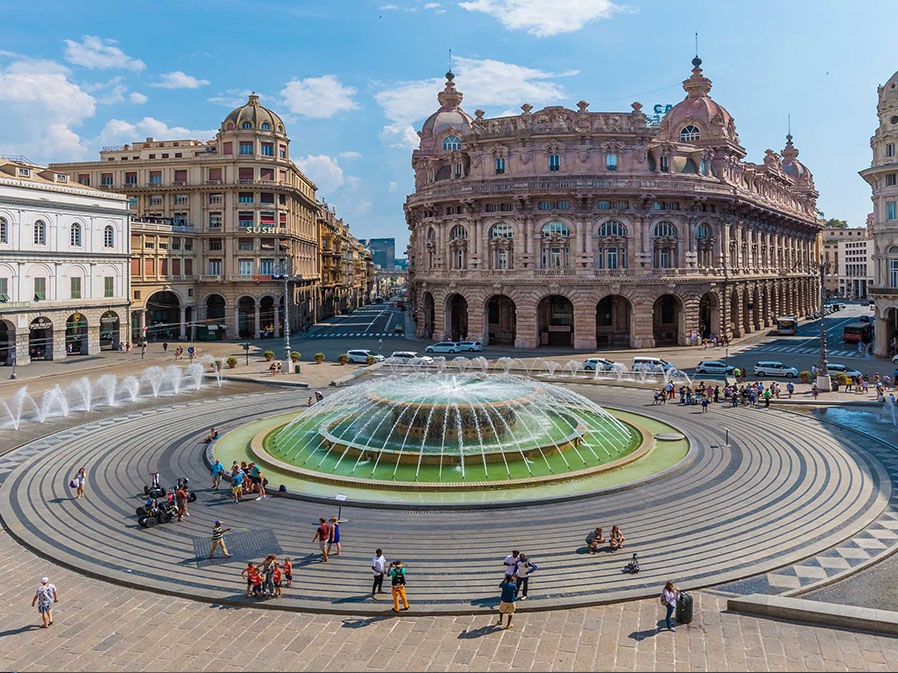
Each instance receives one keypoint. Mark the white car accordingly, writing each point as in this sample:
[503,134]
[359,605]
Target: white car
[470,346]
[362,356]
[598,364]
[835,368]
[442,347]
[713,367]
[411,356]
[773,368]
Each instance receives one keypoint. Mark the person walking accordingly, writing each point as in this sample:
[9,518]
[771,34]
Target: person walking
[524,569]
[237,485]
[218,540]
[669,597]
[79,481]
[507,603]
[334,536]
[397,578]
[379,567]
[790,388]
[216,472]
[247,575]
[143,350]
[45,597]
[181,501]
[322,535]
[165,347]
[288,571]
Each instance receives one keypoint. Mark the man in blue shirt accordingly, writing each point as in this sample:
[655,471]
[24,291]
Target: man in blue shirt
[237,486]
[509,596]
[216,471]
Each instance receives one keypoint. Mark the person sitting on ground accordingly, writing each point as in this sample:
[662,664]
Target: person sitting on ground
[594,539]
[616,539]
[212,436]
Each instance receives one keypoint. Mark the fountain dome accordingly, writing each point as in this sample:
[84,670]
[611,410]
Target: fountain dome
[454,430]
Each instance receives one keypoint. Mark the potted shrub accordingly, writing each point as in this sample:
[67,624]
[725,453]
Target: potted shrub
[370,360]
[294,356]
[319,358]
[840,378]
[232,362]
[805,376]
[217,365]
[269,355]
[342,358]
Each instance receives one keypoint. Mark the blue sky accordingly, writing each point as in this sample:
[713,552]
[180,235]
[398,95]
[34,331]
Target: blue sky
[353,79]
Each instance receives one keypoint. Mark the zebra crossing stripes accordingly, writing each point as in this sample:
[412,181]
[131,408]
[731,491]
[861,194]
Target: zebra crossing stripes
[801,350]
[337,335]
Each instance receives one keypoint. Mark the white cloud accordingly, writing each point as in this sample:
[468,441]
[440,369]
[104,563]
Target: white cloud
[483,82]
[433,6]
[109,92]
[393,186]
[137,98]
[94,52]
[350,155]
[179,80]
[119,131]
[231,98]
[318,97]
[41,105]
[436,7]
[362,207]
[544,17]
[324,171]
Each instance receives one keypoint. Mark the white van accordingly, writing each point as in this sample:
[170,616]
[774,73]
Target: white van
[651,363]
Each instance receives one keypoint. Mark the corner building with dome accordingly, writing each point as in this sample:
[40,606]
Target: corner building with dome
[561,227]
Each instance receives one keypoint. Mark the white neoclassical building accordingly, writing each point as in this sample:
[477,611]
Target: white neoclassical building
[64,265]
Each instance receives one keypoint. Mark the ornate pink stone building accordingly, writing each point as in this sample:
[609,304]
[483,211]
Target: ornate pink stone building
[591,229]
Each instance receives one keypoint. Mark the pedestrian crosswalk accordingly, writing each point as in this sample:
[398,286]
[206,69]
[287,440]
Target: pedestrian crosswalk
[804,351]
[336,335]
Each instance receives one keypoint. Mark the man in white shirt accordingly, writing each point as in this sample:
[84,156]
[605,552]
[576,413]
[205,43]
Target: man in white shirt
[510,563]
[379,567]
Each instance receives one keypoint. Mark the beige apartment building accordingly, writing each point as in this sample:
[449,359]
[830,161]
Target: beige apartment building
[833,238]
[217,224]
[346,279]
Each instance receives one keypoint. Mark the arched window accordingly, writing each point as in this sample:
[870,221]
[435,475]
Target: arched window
[458,233]
[247,125]
[556,229]
[108,237]
[689,134]
[612,228]
[703,231]
[266,126]
[280,129]
[40,233]
[665,230]
[431,248]
[502,230]
[4,231]
[75,235]
[892,252]
[451,143]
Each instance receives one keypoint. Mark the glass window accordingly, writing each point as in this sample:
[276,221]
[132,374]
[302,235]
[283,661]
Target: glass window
[612,228]
[40,289]
[188,244]
[502,258]
[665,230]
[611,162]
[689,134]
[554,162]
[246,219]
[458,233]
[108,286]
[181,176]
[556,229]
[451,143]
[665,165]
[546,205]
[266,197]
[562,205]
[893,272]
[75,235]
[84,179]
[4,289]
[214,267]
[4,231]
[611,254]
[890,150]
[180,199]
[108,237]
[502,230]
[176,244]
[890,180]
[603,205]
[130,178]
[247,125]
[214,244]
[267,149]
[245,197]
[266,266]
[132,203]
[40,233]
[75,287]
[214,220]
[500,166]
[245,267]
[179,219]
[106,179]
[265,126]
[891,210]
[506,207]
[155,177]
[703,231]
[246,148]
[282,151]
[245,244]
[214,199]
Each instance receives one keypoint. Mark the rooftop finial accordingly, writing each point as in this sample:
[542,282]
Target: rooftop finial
[789,128]
[449,74]
[696,61]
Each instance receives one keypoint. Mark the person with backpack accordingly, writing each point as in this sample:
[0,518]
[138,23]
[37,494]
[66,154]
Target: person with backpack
[670,594]
[397,578]
[524,569]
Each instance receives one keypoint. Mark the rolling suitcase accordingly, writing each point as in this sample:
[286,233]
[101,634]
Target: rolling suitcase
[684,608]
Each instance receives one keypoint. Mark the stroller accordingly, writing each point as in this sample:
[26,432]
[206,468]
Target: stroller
[633,566]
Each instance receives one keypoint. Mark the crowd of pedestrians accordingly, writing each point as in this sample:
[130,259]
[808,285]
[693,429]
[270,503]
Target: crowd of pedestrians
[246,479]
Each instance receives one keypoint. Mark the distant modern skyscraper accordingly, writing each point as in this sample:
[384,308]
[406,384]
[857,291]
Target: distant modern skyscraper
[383,250]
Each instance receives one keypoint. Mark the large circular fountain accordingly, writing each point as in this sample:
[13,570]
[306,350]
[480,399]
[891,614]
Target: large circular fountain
[450,431]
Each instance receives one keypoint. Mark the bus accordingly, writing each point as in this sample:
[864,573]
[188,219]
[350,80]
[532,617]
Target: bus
[858,331]
[787,325]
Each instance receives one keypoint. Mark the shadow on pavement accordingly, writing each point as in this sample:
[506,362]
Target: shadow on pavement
[479,633]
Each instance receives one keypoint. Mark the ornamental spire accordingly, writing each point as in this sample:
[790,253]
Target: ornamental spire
[697,85]
[449,98]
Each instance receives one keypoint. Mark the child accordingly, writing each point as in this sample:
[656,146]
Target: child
[276,578]
[288,571]
[247,575]
[256,579]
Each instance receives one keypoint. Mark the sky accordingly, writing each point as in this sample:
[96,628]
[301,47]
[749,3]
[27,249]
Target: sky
[354,79]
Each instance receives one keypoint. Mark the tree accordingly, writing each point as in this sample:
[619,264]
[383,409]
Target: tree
[836,224]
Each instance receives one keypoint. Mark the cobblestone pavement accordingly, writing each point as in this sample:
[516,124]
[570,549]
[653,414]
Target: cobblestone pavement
[100,626]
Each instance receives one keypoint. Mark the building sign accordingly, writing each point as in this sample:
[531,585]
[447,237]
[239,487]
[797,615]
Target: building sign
[658,110]
[262,277]
[41,323]
[76,322]
[106,320]
[15,304]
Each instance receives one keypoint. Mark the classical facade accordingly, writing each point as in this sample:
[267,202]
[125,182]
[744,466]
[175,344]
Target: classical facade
[345,263]
[218,224]
[591,229]
[64,282]
[832,240]
[882,176]
[855,267]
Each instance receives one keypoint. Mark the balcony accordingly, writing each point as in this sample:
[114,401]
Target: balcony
[555,272]
[613,273]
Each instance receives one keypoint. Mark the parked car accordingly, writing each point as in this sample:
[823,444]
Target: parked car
[470,346]
[411,356]
[650,363]
[359,355]
[836,368]
[598,364]
[866,318]
[773,368]
[713,367]
[442,347]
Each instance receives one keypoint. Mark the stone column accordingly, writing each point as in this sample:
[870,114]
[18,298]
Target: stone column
[142,325]
[93,339]
[257,320]
[182,326]
[881,335]
[277,321]
[236,318]
[23,355]
[58,350]
[476,331]
[525,318]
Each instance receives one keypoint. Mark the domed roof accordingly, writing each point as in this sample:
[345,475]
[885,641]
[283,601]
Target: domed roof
[449,114]
[889,91]
[791,165]
[698,107]
[254,113]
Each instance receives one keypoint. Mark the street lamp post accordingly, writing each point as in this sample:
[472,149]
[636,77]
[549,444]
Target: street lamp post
[824,381]
[286,312]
